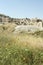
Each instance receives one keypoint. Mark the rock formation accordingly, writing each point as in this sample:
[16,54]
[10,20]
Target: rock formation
[18,21]
[23,24]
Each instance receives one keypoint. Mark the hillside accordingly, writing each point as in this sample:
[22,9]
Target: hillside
[19,45]
[21,24]
[19,21]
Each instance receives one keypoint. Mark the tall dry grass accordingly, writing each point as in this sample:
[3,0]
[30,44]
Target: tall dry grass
[21,49]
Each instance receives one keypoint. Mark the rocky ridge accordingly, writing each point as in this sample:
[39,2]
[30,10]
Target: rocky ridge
[23,24]
[19,21]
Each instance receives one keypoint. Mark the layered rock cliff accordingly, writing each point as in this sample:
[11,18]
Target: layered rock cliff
[19,21]
[20,24]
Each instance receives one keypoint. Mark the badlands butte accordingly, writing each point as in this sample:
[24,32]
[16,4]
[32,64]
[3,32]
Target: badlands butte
[21,24]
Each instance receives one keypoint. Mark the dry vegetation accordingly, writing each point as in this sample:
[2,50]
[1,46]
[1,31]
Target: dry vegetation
[20,49]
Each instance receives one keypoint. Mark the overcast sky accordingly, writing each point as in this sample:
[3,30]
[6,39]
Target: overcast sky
[22,8]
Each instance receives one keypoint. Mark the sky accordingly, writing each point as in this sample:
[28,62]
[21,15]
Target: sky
[22,8]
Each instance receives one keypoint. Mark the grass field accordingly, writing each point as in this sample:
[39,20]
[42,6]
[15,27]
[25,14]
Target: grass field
[21,49]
